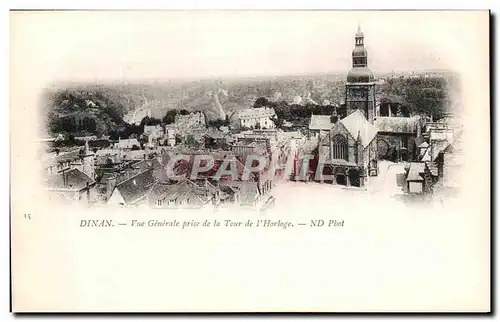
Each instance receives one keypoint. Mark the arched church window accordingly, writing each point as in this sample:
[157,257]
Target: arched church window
[339,147]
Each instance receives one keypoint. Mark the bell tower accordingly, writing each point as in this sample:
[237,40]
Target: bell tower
[360,86]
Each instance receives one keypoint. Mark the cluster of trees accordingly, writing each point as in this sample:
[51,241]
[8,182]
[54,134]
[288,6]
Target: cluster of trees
[84,125]
[218,123]
[426,96]
[81,112]
[169,118]
[287,111]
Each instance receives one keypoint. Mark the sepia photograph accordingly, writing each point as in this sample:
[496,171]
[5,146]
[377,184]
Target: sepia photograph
[250,161]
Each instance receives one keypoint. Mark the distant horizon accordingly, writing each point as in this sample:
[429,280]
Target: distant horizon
[177,80]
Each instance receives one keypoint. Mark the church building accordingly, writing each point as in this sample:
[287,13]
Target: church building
[349,150]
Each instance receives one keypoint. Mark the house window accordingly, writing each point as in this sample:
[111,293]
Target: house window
[339,147]
[404,142]
[158,202]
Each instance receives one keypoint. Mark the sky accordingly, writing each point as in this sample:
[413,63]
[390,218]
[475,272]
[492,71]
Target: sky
[131,45]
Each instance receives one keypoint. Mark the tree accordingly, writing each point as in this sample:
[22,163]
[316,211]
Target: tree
[260,102]
[218,123]
[277,121]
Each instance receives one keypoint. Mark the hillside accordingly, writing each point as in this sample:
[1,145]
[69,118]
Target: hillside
[102,109]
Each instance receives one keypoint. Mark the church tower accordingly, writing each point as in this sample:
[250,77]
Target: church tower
[360,86]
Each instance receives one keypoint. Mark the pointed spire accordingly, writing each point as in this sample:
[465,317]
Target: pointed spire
[359,33]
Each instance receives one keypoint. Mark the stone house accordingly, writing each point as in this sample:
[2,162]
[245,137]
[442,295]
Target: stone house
[257,118]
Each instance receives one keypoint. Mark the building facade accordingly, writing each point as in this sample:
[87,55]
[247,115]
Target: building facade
[348,152]
[257,118]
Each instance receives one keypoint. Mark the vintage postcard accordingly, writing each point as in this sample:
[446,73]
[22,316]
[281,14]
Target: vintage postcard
[250,161]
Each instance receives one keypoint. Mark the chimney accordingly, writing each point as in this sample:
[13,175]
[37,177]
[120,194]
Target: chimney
[65,177]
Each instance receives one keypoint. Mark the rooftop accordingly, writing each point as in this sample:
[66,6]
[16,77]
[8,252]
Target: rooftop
[415,171]
[72,180]
[320,122]
[396,124]
[250,113]
[137,187]
[357,124]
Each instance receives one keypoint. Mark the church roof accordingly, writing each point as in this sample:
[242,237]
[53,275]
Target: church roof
[356,123]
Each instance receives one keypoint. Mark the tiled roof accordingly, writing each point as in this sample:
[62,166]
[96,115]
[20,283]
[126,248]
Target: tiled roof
[320,122]
[416,168]
[172,191]
[438,147]
[250,113]
[396,124]
[183,190]
[128,143]
[140,165]
[70,156]
[137,187]
[74,180]
[106,176]
[148,129]
[356,123]
[424,145]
